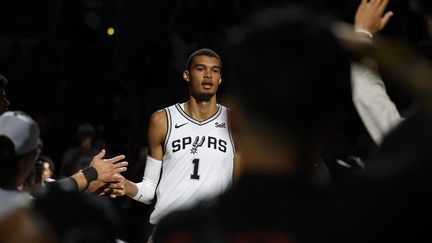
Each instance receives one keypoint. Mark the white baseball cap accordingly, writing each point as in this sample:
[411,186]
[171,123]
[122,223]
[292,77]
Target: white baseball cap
[21,129]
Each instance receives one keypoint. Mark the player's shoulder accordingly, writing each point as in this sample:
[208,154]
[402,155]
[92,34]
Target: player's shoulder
[224,110]
[158,117]
[223,107]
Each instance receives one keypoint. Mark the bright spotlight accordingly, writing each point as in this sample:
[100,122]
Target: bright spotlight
[110,31]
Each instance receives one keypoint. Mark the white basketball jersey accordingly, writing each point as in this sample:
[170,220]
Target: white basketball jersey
[198,160]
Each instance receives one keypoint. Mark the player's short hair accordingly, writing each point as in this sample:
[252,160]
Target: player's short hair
[202,52]
[3,81]
[288,72]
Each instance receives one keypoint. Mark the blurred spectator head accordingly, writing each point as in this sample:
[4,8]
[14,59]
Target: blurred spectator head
[3,81]
[291,83]
[4,102]
[19,147]
[47,167]
[85,131]
[41,173]
[78,217]
[23,225]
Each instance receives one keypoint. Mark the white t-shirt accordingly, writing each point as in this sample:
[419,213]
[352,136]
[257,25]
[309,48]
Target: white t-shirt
[11,200]
[377,111]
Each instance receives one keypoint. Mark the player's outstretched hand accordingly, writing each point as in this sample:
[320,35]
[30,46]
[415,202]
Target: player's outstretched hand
[108,169]
[116,189]
[370,15]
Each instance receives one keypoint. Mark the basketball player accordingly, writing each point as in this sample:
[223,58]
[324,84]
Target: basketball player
[283,127]
[191,141]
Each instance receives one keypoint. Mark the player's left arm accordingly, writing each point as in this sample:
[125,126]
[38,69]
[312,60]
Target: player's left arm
[233,124]
[100,170]
[237,166]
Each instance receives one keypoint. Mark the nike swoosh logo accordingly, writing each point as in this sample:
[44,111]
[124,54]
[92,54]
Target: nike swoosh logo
[178,126]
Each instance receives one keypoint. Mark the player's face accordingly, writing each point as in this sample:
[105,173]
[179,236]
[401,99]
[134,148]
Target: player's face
[204,77]
[4,102]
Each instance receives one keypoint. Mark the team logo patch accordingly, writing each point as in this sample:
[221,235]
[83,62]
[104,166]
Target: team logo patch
[197,144]
[220,125]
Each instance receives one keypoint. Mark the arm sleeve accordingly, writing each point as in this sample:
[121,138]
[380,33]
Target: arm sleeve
[378,113]
[66,184]
[147,188]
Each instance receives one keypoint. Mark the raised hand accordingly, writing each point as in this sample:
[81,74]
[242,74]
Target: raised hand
[117,188]
[370,16]
[108,169]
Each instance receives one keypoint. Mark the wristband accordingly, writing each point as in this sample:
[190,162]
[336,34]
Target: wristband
[364,32]
[90,173]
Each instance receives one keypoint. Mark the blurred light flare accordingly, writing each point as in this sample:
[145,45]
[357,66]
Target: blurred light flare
[110,31]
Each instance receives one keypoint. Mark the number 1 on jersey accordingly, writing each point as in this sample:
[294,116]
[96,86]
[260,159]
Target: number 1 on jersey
[195,175]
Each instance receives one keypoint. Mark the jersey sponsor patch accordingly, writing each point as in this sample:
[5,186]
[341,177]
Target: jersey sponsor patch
[220,125]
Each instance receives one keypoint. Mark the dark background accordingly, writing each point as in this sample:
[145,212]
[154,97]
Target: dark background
[64,69]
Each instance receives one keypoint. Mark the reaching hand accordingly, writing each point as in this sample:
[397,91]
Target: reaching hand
[108,169]
[117,188]
[370,15]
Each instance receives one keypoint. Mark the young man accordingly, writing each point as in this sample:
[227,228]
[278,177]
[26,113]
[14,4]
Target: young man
[191,141]
[297,96]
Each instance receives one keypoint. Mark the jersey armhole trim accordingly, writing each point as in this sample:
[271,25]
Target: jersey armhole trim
[169,127]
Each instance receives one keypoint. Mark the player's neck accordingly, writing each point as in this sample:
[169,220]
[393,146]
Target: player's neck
[201,110]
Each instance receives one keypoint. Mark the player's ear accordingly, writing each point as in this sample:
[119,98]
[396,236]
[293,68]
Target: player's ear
[186,75]
[220,80]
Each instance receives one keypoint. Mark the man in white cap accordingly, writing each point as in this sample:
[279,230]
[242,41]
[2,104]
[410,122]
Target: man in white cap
[19,149]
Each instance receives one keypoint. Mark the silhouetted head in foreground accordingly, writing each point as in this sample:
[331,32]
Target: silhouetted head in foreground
[290,81]
[77,217]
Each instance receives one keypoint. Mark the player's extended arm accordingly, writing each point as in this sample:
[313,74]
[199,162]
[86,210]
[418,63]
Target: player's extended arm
[237,166]
[233,124]
[378,113]
[105,170]
[144,191]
